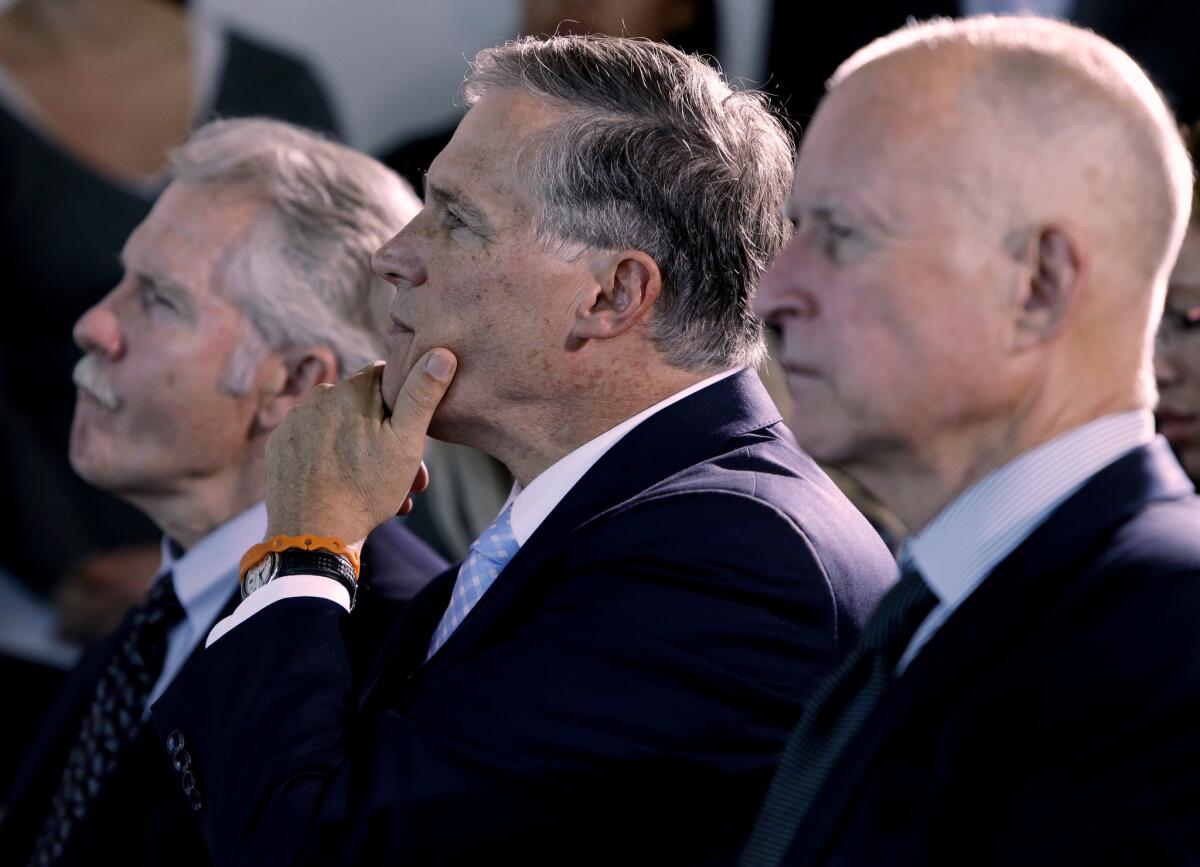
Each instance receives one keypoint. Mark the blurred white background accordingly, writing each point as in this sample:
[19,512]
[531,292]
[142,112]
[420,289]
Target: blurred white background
[394,66]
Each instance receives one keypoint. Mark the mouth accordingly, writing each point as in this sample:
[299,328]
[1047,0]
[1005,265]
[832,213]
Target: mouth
[399,326]
[1177,427]
[795,369]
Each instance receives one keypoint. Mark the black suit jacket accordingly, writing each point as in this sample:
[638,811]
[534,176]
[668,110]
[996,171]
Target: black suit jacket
[141,817]
[621,691]
[1054,719]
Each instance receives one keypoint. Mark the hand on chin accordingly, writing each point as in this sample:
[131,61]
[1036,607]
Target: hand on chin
[341,464]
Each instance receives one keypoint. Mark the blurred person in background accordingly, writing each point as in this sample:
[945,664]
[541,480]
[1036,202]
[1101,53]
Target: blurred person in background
[248,284]
[1177,360]
[93,94]
[689,25]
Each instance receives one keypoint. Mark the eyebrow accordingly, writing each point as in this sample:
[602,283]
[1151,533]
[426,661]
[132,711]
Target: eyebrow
[826,211]
[457,200]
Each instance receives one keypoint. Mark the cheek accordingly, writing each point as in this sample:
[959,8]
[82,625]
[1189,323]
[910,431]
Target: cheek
[907,360]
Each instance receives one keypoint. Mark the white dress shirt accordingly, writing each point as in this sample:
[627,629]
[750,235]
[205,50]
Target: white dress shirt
[205,576]
[530,506]
[986,523]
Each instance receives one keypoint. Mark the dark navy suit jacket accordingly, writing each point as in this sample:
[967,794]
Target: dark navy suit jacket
[1054,719]
[141,816]
[621,692]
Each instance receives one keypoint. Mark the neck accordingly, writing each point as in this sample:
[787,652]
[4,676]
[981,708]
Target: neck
[539,436]
[917,484]
[189,512]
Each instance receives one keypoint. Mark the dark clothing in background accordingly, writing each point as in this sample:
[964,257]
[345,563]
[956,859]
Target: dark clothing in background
[62,227]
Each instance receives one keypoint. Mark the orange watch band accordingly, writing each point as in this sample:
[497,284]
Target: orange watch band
[308,542]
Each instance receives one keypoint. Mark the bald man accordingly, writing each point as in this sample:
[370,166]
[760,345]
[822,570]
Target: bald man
[986,211]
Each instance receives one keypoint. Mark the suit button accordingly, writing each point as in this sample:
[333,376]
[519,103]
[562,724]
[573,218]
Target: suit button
[191,790]
[182,760]
[175,741]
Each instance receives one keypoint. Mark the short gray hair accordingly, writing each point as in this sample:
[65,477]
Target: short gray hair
[657,153]
[303,275]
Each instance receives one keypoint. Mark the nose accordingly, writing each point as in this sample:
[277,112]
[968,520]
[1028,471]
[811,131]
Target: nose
[98,332]
[782,292]
[398,262]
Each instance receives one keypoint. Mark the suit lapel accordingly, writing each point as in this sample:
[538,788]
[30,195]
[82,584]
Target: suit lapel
[403,650]
[681,435]
[1041,575]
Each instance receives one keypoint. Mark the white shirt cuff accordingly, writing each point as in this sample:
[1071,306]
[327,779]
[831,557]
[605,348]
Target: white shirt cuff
[287,587]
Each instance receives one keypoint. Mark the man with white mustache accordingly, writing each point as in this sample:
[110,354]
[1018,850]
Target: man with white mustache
[248,284]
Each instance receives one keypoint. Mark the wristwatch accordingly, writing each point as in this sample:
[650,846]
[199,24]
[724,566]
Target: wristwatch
[297,561]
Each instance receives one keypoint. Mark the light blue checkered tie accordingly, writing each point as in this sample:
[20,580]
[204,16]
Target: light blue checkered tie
[487,558]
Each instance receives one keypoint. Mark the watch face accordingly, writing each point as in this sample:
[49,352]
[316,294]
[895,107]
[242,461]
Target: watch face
[262,572]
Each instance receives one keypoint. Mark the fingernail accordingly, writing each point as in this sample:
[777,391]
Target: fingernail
[439,364]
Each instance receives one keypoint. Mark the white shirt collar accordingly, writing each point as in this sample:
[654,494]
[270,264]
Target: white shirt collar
[986,523]
[206,574]
[531,505]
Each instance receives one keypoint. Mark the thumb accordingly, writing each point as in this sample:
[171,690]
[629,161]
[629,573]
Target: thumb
[421,393]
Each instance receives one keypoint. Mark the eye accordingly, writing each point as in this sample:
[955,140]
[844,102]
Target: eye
[451,220]
[151,297]
[836,237]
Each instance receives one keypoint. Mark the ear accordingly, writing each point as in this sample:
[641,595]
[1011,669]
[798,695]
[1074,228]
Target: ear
[1059,271]
[293,375]
[626,285]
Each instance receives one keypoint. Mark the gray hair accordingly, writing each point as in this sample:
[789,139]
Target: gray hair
[656,152]
[303,275]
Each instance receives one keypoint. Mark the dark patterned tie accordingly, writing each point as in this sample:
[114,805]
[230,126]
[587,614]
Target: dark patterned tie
[114,718]
[834,716]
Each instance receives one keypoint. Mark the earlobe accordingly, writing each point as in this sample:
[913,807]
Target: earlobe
[1058,271]
[627,285]
[295,373]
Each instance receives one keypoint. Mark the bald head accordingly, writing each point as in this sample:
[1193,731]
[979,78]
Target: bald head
[1045,123]
[986,211]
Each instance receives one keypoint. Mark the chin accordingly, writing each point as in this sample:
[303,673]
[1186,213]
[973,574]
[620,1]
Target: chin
[454,422]
[82,459]
[813,431]
[94,472]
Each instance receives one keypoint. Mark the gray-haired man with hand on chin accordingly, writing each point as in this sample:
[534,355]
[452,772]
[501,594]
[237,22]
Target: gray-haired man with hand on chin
[610,672]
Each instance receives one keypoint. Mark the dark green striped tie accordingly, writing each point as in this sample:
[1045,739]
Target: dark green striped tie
[834,716]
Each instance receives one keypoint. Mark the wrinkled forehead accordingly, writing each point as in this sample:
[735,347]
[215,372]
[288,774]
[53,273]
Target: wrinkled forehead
[910,152]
